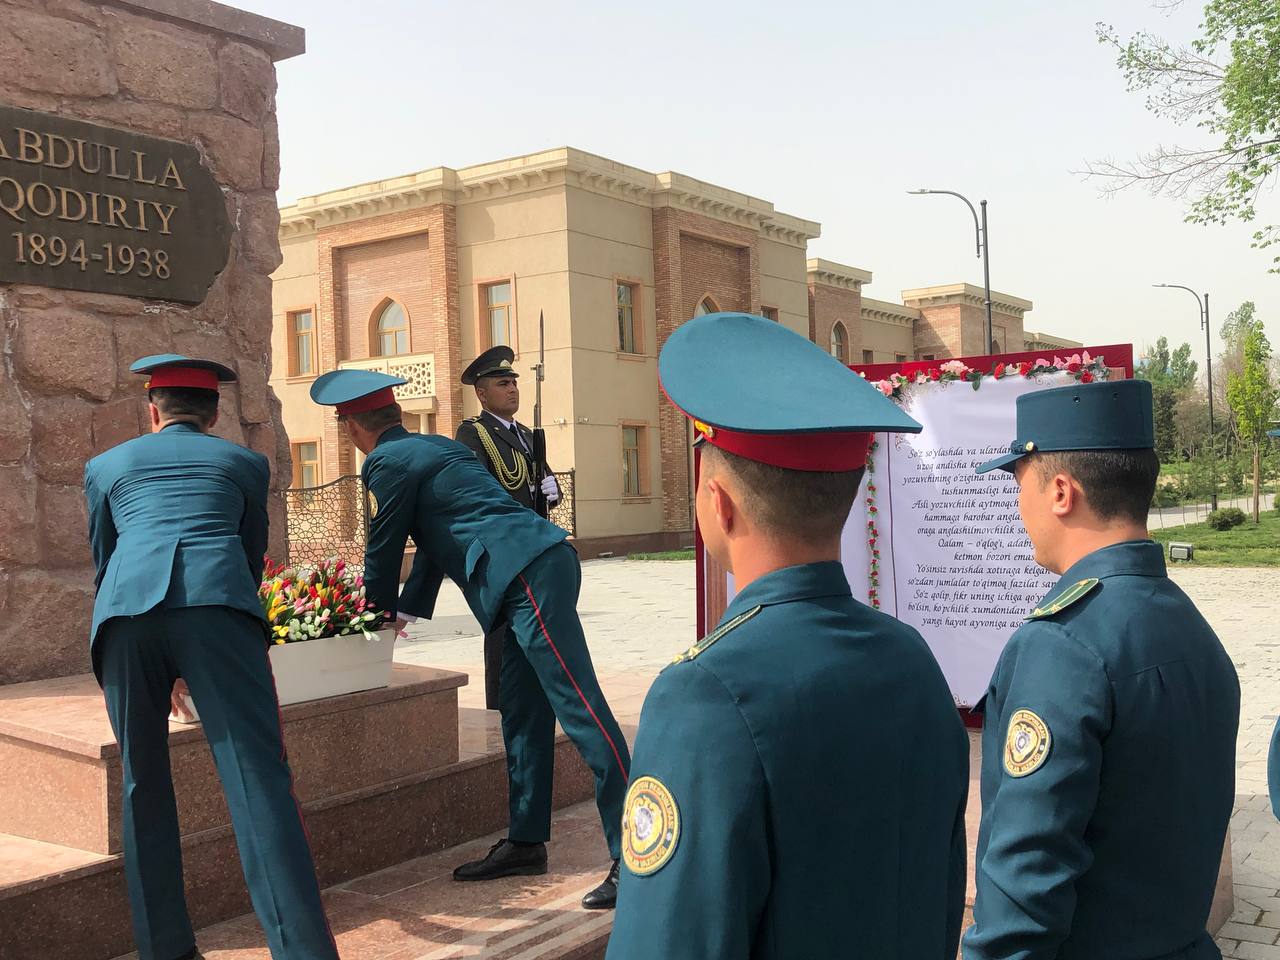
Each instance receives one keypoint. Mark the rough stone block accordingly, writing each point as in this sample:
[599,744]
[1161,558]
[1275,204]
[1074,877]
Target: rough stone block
[247,79]
[62,350]
[233,147]
[116,422]
[15,422]
[144,117]
[254,405]
[18,516]
[53,55]
[138,337]
[159,62]
[259,223]
[29,649]
[62,438]
[271,154]
[64,526]
[250,308]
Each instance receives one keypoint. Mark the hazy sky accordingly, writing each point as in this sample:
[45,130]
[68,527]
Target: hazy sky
[831,111]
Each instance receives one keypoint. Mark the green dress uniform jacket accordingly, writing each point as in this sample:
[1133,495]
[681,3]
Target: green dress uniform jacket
[1108,772]
[798,789]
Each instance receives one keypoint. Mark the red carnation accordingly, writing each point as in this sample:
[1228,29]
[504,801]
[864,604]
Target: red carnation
[1086,377]
[999,371]
[1073,368]
[935,374]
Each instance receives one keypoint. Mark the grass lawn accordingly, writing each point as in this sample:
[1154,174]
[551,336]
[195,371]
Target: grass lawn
[1242,546]
[666,555]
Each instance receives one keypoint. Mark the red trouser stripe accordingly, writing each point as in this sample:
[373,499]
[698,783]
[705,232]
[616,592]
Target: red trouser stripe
[608,739]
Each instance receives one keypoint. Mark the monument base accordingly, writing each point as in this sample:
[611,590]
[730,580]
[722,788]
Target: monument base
[383,777]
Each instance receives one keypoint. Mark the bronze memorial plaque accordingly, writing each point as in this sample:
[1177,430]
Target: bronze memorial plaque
[85,207]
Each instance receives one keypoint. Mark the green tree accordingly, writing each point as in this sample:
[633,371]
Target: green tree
[1252,397]
[1226,83]
[1172,375]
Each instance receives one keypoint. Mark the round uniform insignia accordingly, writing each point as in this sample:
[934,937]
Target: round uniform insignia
[650,826]
[373,504]
[1027,746]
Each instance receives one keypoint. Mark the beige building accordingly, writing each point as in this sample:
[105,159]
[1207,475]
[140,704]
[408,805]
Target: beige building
[418,274]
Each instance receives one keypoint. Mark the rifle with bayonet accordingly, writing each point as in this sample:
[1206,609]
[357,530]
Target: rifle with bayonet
[539,450]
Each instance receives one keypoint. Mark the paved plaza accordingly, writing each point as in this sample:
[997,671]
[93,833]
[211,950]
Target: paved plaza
[638,615]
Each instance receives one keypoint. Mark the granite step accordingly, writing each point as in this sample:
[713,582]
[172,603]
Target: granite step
[57,901]
[416,911]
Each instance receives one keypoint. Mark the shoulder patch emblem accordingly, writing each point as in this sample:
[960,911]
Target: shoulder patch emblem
[1027,746]
[1066,598]
[373,504]
[650,826]
[715,635]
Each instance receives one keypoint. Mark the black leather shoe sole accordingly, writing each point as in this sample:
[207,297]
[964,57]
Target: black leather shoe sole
[528,870]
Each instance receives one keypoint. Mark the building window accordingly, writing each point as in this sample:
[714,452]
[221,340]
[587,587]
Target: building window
[840,343]
[705,306]
[995,346]
[302,344]
[627,296]
[927,356]
[306,464]
[769,313]
[899,358]
[633,461]
[497,303]
[393,331]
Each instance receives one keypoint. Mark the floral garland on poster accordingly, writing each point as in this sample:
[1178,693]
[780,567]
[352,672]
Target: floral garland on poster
[1081,366]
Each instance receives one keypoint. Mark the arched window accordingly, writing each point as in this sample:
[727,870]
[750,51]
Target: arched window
[707,305]
[995,346]
[392,330]
[840,342]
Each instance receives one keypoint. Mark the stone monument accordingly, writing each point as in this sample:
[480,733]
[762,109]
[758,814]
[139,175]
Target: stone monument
[139,161]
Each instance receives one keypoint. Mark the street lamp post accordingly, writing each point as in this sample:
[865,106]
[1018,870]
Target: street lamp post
[1208,368]
[980,233]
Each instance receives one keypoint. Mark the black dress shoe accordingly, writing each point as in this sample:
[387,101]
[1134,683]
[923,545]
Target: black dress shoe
[193,954]
[506,859]
[605,896]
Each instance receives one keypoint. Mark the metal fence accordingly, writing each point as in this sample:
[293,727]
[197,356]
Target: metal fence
[332,520]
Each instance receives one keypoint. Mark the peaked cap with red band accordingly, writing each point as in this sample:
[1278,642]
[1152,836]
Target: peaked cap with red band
[355,391]
[756,389]
[173,370]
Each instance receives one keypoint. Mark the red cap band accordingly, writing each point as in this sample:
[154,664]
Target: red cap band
[200,378]
[370,401]
[829,452]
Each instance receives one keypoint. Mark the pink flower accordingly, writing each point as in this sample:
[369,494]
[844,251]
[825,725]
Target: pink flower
[885,387]
[1043,363]
[955,367]
[1057,362]
[1086,359]
[1074,358]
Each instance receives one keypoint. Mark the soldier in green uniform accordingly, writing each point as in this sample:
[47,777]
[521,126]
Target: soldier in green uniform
[505,447]
[512,567]
[1108,752]
[800,774]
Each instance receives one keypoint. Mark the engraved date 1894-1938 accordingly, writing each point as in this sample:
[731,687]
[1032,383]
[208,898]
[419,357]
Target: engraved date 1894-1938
[113,258]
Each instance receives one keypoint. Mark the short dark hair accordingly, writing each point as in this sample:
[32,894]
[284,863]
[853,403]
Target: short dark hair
[378,419]
[1117,484]
[796,504]
[202,405]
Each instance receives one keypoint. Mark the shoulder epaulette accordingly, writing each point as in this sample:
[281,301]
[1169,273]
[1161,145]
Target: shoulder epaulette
[1066,598]
[715,635]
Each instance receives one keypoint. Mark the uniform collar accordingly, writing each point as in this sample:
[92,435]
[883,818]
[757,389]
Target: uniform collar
[509,424]
[391,433]
[806,582]
[1132,558]
[184,426]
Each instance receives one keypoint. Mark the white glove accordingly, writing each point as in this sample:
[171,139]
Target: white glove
[550,490]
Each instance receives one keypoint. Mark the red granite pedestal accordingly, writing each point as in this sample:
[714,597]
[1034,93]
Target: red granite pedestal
[384,776]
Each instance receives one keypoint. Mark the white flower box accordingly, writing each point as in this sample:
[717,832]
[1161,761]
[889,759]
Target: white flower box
[327,667]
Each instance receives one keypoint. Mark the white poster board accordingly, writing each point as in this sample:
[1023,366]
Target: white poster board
[953,558]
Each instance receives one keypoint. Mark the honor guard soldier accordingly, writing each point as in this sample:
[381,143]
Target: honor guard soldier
[505,447]
[1108,749]
[800,774]
[512,567]
[178,528]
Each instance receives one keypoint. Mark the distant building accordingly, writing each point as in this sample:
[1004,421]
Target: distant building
[416,275]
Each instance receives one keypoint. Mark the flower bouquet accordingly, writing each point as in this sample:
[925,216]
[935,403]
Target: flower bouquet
[327,639]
